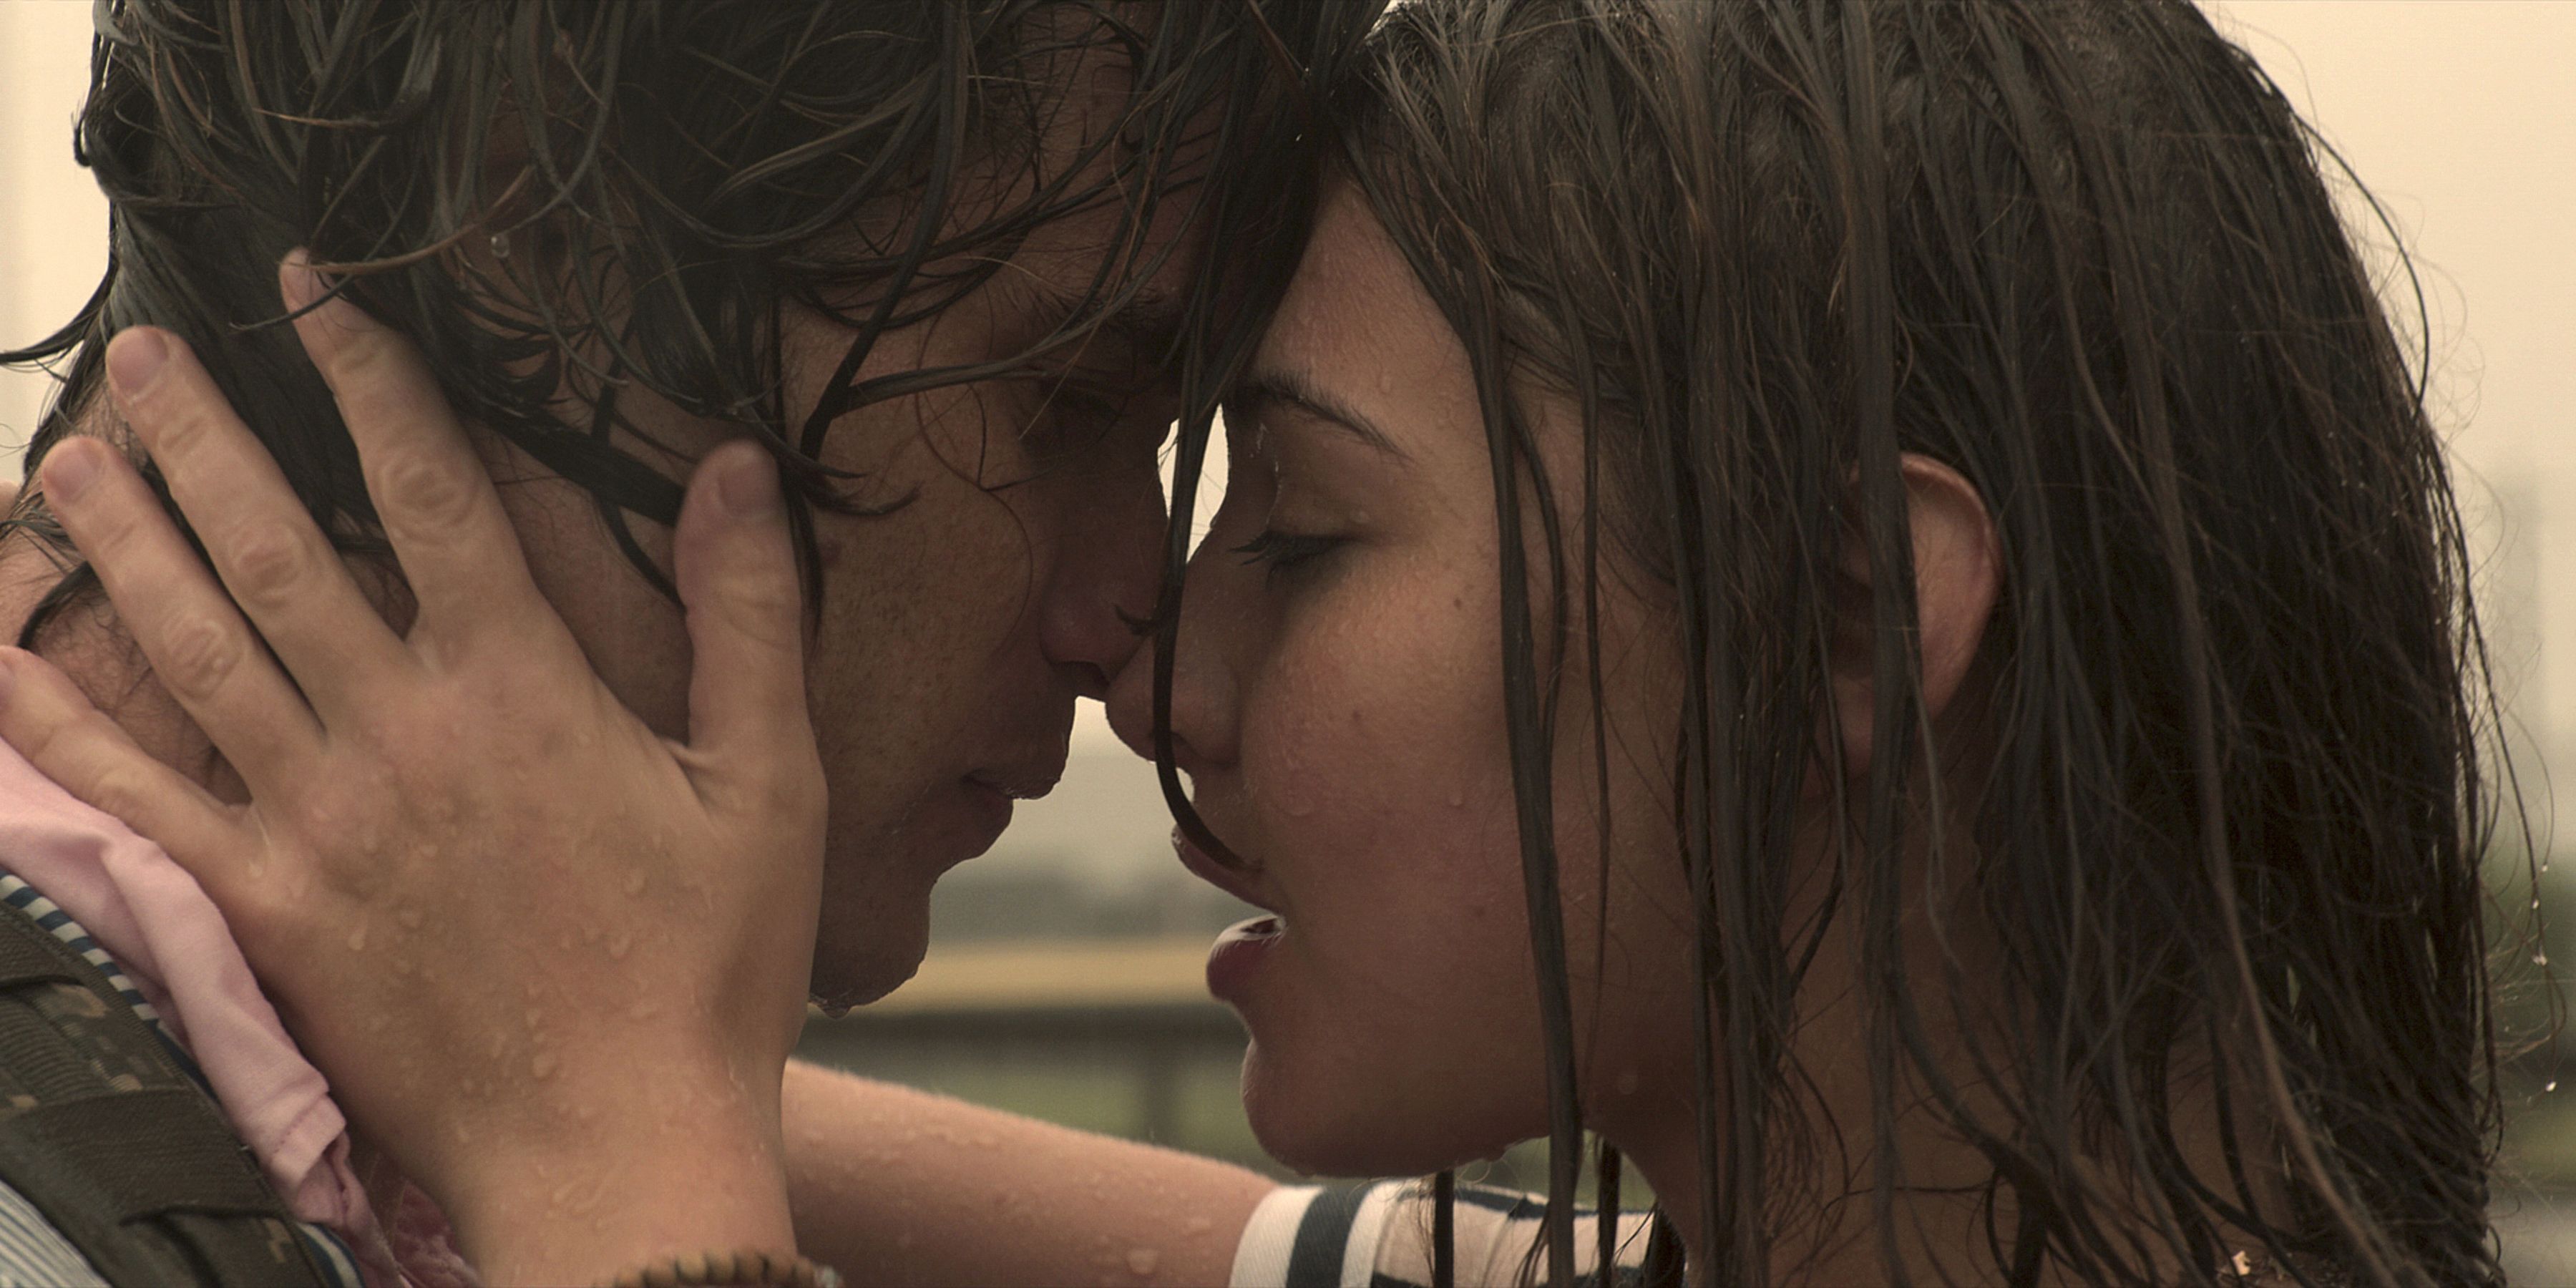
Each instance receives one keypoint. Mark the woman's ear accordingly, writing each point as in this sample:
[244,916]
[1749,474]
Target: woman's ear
[1958,570]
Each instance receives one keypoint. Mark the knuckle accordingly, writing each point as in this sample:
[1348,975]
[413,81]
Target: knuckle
[361,353]
[269,561]
[425,496]
[179,429]
[768,610]
[328,819]
[197,655]
[117,789]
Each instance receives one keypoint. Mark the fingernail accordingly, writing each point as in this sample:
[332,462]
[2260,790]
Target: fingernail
[749,485]
[69,469]
[134,358]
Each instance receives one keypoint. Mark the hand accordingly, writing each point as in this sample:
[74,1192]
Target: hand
[552,963]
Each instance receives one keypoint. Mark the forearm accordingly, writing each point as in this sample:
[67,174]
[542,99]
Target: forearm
[901,1187]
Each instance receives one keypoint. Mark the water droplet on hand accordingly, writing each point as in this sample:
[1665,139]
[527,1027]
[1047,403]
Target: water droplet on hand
[1141,1261]
[543,1066]
[358,938]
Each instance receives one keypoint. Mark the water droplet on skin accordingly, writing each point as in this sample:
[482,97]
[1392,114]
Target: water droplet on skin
[1199,1225]
[618,944]
[635,881]
[536,1018]
[1141,1261]
[358,938]
[543,1066]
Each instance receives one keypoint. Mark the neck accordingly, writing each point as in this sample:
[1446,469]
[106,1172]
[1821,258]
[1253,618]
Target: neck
[89,645]
[1940,1218]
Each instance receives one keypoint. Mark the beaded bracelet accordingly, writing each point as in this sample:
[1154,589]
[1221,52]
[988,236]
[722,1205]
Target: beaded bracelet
[749,1267]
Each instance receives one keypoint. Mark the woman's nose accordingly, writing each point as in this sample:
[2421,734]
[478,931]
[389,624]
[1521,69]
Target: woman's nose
[1203,712]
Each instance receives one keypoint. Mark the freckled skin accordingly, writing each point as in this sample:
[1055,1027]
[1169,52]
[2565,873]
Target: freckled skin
[1342,723]
[955,633]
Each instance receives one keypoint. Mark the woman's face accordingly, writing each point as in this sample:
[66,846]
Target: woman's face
[1338,707]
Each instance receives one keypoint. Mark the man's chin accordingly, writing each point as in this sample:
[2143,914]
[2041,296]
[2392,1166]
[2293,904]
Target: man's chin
[857,964]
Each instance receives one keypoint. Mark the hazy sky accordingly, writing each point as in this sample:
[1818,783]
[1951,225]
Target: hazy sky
[2460,114]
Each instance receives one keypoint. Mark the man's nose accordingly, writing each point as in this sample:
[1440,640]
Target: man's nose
[1104,586]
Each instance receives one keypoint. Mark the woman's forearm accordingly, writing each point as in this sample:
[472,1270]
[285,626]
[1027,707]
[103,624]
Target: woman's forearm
[900,1186]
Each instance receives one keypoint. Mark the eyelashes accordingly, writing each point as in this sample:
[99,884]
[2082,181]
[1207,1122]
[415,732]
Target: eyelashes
[1281,551]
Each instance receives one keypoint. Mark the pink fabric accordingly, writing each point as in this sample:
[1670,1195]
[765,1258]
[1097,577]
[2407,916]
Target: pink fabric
[152,917]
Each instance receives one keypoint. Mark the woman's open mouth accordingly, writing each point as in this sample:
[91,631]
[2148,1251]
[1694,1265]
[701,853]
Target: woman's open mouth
[1238,953]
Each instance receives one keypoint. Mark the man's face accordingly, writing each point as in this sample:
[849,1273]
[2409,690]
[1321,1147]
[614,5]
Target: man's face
[956,631]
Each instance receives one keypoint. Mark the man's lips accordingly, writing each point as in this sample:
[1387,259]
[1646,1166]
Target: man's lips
[1233,881]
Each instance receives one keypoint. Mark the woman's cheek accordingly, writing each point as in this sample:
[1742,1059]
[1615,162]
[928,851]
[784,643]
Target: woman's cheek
[1378,724]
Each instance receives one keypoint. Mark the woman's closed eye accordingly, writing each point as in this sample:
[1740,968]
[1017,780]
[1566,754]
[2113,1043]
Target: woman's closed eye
[1283,551]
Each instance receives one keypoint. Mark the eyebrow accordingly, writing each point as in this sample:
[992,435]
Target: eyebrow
[1147,324]
[1298,390]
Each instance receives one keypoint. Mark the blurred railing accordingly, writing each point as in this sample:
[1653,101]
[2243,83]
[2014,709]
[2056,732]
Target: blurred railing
[1110,1035]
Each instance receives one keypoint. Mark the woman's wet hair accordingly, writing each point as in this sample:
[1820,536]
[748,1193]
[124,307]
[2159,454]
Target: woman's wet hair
[559,203]
[2221,805]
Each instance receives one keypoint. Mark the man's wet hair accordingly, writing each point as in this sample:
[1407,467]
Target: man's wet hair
[562,203]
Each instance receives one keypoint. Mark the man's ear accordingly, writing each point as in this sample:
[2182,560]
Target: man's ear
[1958,570]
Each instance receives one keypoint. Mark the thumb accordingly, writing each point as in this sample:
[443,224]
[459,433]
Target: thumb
[736,573]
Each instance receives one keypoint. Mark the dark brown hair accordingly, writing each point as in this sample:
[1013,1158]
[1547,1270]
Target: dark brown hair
[559,201]
[2233,797]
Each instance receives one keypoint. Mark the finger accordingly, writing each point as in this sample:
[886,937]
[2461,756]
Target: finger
[51,722]
[200,648]
[440,511]
[263,543]
[736,573]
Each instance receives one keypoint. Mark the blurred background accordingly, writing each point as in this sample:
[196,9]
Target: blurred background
[1064,980]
